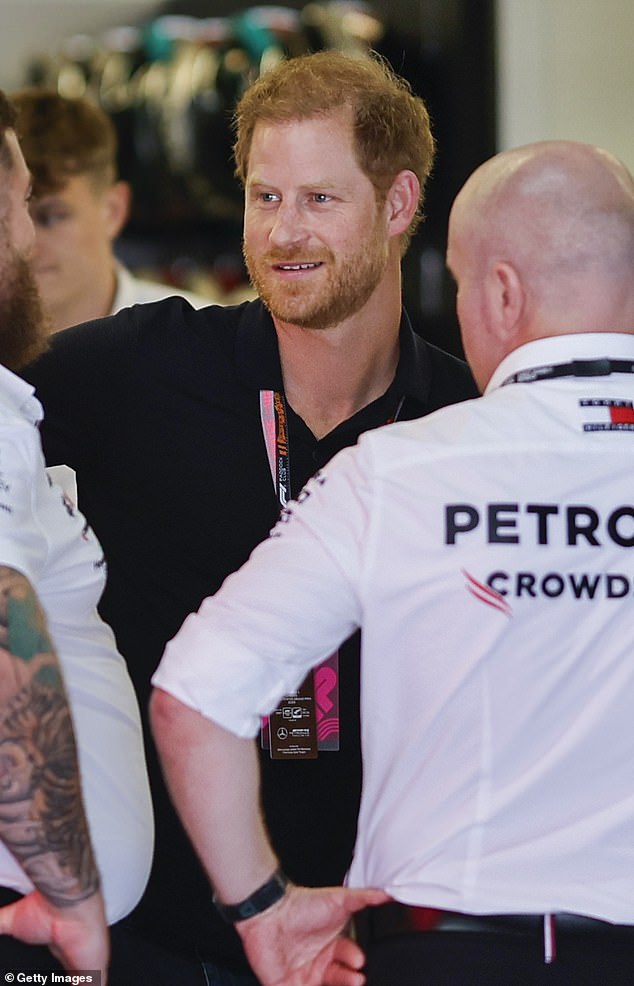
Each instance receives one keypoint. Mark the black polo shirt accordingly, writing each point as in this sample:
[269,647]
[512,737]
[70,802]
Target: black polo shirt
[158,411]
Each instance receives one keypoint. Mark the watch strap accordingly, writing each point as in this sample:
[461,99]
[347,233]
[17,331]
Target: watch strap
[257,902]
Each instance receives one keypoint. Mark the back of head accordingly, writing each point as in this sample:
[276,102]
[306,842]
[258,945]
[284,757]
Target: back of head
[391,125]
[562,212]
[61,137]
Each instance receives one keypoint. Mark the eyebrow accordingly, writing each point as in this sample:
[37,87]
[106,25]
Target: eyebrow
[320,185]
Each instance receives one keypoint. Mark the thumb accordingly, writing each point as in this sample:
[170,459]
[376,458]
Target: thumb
[358,898]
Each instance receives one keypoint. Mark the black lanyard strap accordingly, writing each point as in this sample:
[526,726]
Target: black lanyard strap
[576,368]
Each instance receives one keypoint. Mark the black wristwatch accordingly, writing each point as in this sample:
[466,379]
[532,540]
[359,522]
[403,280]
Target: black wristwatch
[260,900]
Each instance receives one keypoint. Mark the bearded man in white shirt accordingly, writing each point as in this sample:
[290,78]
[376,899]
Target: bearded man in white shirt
[75,814]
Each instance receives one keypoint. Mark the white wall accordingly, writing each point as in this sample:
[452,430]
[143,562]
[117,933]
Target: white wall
[566,70]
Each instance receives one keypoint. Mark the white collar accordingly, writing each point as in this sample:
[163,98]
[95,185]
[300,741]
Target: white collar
[563,349]
[19,396]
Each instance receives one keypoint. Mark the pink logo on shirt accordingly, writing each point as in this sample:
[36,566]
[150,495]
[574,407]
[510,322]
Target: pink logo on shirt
[487,595]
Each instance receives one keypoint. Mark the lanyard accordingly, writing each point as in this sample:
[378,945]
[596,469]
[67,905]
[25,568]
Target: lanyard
[576,368]
[274,417]
[307,721]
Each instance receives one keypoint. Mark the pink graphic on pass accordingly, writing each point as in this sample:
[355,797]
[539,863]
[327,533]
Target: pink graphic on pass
[327,702]
[326,681]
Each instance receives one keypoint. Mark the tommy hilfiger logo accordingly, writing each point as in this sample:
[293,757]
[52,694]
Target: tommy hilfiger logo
[608,415]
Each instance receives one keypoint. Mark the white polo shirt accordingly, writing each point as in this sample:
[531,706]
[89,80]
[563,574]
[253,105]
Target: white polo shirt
[43,536]
[487,552]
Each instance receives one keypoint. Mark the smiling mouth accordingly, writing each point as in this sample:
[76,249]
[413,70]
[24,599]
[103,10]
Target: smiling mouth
[293,267]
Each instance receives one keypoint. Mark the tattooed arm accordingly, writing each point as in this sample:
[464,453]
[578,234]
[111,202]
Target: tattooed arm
[42,819]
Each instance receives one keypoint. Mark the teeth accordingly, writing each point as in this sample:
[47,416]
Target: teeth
[298,266]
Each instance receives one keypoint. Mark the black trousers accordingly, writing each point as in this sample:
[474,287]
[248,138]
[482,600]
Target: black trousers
[136,962]
[471,958]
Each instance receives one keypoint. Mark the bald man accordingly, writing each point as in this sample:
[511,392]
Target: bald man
[486,552]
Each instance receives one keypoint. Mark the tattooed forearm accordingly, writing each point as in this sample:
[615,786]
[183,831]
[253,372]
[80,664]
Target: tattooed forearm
[42,818]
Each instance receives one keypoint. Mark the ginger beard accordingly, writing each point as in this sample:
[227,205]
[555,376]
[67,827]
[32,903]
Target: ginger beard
[23,326]
[349,281]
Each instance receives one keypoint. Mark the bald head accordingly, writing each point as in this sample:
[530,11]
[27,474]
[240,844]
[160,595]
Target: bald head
[555,220]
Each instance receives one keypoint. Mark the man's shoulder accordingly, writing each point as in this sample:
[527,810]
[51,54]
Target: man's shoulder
[159,331]
[173,316]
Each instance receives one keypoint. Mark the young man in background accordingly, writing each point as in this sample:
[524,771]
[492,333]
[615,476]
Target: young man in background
[79,207]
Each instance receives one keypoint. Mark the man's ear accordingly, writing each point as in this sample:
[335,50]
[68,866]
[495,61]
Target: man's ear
[506,299]
[401,202]
[117,201]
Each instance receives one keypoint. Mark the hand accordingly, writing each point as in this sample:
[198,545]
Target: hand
[77,934]
[298,942]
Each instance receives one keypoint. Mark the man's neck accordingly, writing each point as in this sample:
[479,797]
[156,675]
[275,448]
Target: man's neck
[87,306]
[330,374]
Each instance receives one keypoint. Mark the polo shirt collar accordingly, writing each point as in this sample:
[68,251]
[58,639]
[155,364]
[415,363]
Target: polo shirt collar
[257,352]
[19,396]
[413,374]
[258,357]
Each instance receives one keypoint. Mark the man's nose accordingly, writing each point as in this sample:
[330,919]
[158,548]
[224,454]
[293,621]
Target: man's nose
[289,226]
